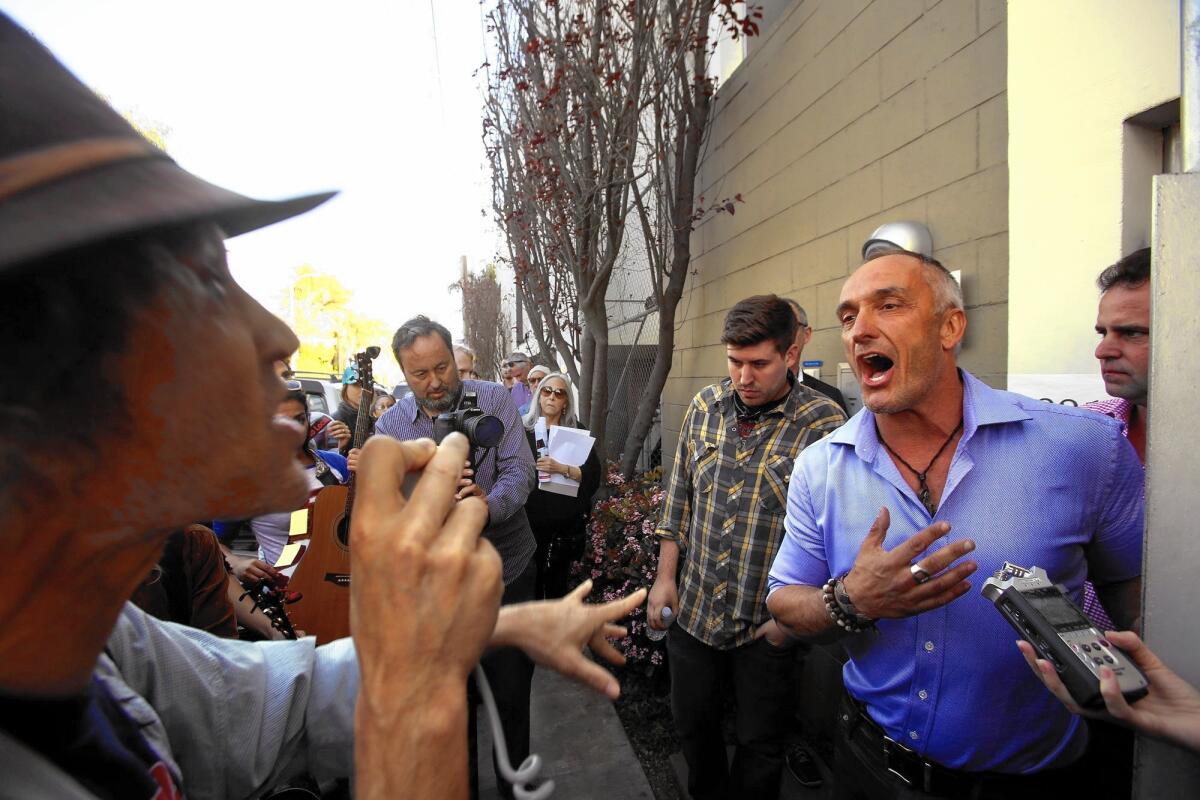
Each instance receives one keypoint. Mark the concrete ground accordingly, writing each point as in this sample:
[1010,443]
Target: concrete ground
[580,739]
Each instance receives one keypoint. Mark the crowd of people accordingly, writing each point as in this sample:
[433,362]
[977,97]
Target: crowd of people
[784,523]
[115,287]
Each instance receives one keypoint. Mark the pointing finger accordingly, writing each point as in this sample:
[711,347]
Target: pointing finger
[604,649]
[945,556]
[878,531]
[465,524]
[916,545]
[580,591]
[615,609]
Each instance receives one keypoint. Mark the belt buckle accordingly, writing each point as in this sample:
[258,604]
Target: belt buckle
[926,769]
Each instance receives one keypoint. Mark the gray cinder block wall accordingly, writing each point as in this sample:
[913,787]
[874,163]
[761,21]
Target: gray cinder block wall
[846,114]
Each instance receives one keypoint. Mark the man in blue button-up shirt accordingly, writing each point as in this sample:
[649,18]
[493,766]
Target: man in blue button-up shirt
[936,466]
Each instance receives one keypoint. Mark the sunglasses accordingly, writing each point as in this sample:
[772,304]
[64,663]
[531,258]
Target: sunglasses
[548,391]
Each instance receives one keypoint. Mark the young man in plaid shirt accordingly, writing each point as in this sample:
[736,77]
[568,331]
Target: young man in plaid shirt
[721,524]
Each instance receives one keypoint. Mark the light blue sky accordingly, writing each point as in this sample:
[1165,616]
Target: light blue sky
[279,97]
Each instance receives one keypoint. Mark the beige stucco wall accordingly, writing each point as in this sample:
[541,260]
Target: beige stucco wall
[846,114]
[1077,70]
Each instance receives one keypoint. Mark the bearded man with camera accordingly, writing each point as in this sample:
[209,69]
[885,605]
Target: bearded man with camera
[500,470]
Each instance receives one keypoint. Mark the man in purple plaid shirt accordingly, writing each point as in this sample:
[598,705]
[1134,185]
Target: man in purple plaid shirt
[504,476]
[1123,323]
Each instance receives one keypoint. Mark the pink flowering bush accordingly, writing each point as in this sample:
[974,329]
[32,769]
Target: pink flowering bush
[621,556]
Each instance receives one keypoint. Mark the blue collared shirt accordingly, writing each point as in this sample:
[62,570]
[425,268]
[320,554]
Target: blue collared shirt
[1030,482]
[506,473]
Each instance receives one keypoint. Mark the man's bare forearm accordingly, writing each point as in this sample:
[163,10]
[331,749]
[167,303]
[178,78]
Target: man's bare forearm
[419,752]
[801,611]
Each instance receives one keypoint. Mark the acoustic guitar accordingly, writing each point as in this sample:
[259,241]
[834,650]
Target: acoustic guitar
[323,576]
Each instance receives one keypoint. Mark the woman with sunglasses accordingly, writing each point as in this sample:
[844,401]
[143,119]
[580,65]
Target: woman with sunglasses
[559,522]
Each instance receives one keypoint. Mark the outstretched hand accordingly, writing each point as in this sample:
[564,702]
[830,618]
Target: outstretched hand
[881,583]
[1170,711]
[554,632]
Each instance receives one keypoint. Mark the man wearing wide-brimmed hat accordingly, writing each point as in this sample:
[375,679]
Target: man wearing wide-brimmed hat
[126,331]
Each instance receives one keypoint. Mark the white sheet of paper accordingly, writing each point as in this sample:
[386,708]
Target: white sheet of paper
[569,446]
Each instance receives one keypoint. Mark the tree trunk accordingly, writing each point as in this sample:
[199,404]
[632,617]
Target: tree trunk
[639,429]
[596,320]
[688,137]
[584,386]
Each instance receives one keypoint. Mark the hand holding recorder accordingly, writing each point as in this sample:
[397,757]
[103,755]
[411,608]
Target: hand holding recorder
[1171,709]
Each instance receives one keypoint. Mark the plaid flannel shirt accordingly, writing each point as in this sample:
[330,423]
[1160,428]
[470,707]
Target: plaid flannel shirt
[725,505]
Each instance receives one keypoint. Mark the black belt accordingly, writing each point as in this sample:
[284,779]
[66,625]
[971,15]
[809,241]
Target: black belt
[917,772]
[907,765]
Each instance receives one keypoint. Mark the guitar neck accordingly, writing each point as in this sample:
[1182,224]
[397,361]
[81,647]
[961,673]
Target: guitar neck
[362,420]
[362,423]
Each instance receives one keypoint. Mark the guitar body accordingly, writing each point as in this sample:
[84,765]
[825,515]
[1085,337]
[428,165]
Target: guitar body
[323,576]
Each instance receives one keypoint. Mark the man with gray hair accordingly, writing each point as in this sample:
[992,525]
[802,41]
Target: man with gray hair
[464,359]
[878,516]
[518,364]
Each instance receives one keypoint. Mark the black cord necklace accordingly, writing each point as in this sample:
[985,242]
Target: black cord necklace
[924,495]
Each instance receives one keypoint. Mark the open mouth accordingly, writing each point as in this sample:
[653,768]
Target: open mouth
[875,368]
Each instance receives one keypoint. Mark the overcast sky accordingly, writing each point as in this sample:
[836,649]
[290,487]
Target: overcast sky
[273,98]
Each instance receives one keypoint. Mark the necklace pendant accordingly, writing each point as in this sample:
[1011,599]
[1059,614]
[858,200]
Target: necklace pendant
[927,500]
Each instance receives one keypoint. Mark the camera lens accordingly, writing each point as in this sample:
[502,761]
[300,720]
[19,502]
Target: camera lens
[484,430]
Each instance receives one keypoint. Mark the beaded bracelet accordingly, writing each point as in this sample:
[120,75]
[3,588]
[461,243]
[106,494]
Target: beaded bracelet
[841,610]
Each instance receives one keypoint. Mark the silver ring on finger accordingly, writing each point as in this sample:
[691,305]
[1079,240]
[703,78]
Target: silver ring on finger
[919,575]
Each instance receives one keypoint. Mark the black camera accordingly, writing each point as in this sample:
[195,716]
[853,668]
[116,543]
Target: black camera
[481,430]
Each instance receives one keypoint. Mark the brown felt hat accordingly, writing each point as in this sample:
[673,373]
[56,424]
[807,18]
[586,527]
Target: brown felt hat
[74,173]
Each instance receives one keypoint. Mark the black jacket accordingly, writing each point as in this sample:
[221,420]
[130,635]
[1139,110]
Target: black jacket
[821,387]
[349,414]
